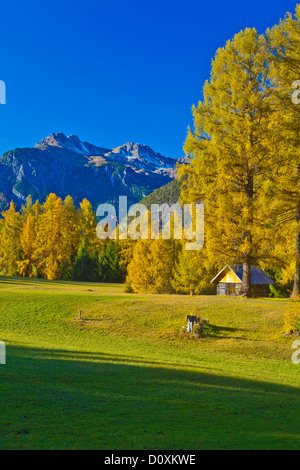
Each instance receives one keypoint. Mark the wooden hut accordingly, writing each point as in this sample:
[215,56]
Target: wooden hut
[229,281]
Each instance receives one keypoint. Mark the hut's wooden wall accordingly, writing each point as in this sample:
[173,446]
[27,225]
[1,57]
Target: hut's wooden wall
[258,290]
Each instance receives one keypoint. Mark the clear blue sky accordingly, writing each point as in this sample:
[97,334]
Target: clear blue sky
[117,70]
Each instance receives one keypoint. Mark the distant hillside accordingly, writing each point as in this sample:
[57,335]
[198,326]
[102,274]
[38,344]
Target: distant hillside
[167,194]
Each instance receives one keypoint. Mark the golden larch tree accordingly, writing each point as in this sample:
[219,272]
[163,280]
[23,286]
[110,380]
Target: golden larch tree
[232,150]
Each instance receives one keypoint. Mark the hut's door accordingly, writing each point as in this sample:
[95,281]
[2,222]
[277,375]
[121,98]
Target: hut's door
[230,289]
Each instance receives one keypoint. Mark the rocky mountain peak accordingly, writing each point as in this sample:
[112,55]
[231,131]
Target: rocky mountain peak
[68,166]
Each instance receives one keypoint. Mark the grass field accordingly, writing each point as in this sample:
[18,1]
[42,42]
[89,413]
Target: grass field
[126,377]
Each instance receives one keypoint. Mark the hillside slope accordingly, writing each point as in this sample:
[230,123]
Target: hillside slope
[167,194]
[126,376]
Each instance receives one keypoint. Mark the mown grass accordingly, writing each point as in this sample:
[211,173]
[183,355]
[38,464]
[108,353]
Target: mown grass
[125,376]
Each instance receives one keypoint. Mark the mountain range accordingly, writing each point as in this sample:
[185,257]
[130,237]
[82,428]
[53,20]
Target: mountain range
[65,165]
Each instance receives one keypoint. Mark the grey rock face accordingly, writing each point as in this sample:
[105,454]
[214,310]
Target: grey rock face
[67,166]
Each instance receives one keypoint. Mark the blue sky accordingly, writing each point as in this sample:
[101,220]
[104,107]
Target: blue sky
[114,71]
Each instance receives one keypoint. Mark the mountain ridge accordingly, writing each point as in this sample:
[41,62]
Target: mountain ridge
[67,165]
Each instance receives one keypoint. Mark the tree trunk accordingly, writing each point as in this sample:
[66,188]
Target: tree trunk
[247,262]
[246,283]
[296,290]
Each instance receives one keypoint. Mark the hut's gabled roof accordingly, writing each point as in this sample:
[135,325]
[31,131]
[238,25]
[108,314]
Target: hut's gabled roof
[258,276]
[223,273]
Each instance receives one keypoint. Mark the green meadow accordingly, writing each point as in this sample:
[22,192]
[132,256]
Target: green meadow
[127,376]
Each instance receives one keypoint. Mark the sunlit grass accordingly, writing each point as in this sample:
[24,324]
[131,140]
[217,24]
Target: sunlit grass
[125,376]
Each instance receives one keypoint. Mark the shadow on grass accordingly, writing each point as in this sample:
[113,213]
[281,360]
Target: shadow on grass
[56,399]
[25,281]
[220,331]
